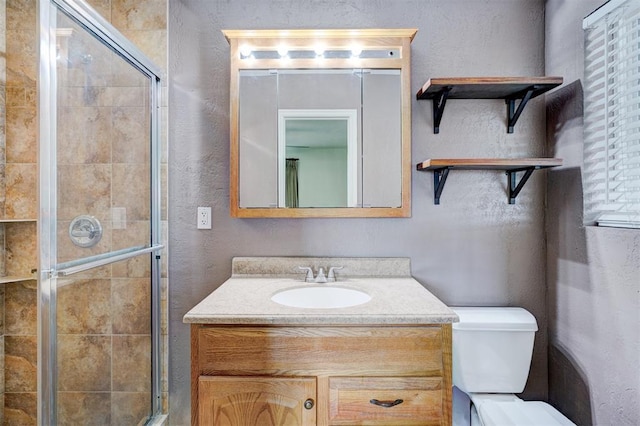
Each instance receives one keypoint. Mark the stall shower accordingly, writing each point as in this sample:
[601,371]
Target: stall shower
[80,206]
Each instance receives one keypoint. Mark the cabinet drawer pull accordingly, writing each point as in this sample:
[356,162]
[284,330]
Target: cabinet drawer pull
[386,404]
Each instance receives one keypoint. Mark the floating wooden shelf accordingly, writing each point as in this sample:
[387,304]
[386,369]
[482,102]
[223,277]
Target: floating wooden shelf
[508,88]
[441,167]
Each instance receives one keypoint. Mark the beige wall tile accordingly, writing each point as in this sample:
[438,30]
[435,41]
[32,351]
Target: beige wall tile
[21,357]
[15,96]
[165,402]
[84,135]
[21,140]
[31,96]
[22,96]
[135,233]
[84,189]
[2,182]
[164,259]
[131,136]
[103,7]
[20,408]
[2,298]
[130,408]
[84,363]
[137,267]
[102,272]
[139,15]
[124,75]
[131,190]
[80,408]
[152,43]
[164,202]
[137,96]
[91,96]
[22,64]
[131,363]
[21,308]
[90,77]
[21,14]
[131,305]
[2,385]
[3,255]
[84,307]
[21,191]
[21,249]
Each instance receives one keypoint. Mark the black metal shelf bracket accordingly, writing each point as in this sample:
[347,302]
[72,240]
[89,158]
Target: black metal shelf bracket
[514,186]
[515,182]
[513,113]
[439,101]
[439,179]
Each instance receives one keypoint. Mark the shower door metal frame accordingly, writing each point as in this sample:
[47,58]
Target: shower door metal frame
[80,12]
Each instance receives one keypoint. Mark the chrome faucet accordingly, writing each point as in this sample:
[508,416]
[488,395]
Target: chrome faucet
[321,277]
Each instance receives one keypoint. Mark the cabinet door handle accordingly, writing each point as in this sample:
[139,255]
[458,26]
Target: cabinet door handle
[308,404]
[386,404]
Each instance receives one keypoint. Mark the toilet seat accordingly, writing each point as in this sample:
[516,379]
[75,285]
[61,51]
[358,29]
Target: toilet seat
[520,413]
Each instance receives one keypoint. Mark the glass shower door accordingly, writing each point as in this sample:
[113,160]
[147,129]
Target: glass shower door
[99,226]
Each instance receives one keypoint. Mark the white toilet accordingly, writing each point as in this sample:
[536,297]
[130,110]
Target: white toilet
[492,350]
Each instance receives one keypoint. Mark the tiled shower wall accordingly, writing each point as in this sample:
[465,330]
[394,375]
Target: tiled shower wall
[3,79]
[101,315]
[19,186]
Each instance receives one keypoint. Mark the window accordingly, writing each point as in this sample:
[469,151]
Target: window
[611,171]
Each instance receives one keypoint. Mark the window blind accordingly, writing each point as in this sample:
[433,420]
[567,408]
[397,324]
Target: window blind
[611,168]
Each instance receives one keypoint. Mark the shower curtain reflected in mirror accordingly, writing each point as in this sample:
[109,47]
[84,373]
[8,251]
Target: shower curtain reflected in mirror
[292,182]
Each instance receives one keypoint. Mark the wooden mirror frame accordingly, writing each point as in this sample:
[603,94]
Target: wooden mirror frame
[368,39]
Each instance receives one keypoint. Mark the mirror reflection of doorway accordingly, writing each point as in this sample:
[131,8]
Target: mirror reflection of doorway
[317,158]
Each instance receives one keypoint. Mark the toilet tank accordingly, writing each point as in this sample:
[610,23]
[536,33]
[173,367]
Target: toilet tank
[492,349]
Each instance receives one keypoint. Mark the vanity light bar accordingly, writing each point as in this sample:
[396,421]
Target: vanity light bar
[392,53]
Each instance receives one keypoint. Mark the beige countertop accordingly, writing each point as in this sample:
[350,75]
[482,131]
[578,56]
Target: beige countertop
[247,300]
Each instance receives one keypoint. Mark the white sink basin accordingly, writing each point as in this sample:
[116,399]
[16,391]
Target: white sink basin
[321,297]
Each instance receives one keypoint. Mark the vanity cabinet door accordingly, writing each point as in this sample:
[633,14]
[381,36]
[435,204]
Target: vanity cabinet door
[250,401]
[386,401]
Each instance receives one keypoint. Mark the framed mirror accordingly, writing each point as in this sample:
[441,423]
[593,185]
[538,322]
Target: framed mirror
[320,123]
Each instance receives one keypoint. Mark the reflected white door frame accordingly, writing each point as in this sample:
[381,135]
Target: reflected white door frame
[350,116]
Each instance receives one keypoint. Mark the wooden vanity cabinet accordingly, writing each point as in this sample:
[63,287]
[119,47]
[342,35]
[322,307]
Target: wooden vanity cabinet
[320,375]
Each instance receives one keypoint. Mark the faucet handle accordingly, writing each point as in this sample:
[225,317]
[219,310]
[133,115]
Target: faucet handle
[309,277]
[331,276]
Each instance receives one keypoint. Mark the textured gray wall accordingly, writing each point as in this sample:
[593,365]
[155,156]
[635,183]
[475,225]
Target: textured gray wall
[473,249]
[593,273]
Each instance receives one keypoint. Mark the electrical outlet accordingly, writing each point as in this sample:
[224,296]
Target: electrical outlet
[204,218]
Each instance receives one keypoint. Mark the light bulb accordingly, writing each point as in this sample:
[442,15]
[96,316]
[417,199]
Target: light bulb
[245,51]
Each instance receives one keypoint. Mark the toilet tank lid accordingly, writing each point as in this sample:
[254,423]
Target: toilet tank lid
[494,319]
